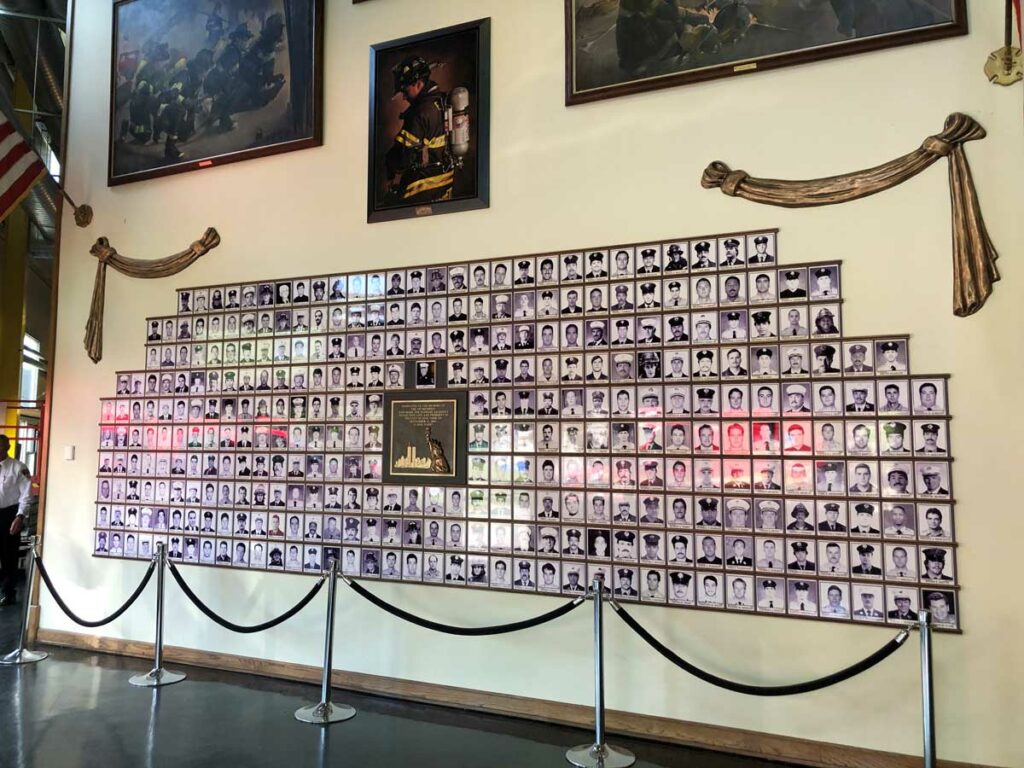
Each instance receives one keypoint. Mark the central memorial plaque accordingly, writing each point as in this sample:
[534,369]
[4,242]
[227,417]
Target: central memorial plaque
[425,438]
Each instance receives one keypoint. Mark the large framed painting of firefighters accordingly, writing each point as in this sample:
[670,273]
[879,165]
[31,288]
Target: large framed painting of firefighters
[199,83]
[619,47]
[430,123]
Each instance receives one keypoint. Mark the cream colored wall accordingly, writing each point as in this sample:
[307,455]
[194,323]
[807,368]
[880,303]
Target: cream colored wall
[621,170]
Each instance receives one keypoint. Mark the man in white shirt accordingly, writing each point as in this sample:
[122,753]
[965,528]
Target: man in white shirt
[15,489]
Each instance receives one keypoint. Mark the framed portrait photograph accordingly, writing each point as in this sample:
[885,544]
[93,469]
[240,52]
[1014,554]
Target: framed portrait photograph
[615,48]
[430,123]
[193,88]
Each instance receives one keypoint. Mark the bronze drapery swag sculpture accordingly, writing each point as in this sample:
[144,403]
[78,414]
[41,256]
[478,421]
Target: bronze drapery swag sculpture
[144,268]
[974,255]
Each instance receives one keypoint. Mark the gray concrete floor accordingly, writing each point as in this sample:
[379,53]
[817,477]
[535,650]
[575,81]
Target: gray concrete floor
[76,710]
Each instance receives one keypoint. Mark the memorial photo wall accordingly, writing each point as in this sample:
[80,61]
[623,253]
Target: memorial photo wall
[689,417]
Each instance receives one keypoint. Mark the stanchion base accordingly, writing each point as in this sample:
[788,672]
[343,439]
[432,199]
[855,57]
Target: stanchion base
[600,756]
[325,713]
[22,656]
[156,678]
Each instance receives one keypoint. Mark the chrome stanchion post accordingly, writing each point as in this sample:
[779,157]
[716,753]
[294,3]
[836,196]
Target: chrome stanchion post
[924,624]
[21,654]
[158,676]
[599,754]
[325,712]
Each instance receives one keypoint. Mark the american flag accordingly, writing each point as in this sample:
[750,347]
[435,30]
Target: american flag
[20,167]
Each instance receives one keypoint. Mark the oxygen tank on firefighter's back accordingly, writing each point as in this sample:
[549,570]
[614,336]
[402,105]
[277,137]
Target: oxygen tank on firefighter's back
[459,121]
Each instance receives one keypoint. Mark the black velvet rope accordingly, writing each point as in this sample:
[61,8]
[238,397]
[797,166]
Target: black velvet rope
[764,690]
[499,629]
[245,630]
[84,622]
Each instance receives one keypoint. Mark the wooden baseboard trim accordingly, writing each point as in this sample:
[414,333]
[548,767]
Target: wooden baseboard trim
[736,741]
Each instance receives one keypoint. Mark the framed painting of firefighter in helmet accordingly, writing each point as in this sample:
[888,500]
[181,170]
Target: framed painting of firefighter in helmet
[619,47]
[201,83]
[430,123]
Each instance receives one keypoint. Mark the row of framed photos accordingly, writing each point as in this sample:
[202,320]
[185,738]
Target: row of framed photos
[674,258]
[898,479]
[793,399]
[799,596]
[931,523]
[572,326]
[701,294]
[898,562]
[144,455]
[145,446]
[288,398]
[650,333]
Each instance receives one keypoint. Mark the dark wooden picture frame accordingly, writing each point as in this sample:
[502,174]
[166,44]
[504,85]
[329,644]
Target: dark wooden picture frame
[166,120]
[729,47]
[457,56]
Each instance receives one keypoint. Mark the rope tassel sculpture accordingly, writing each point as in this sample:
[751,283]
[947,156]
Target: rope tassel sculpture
[974,255]
[144,268]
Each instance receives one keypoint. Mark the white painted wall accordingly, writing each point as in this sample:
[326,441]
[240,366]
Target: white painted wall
[621,170]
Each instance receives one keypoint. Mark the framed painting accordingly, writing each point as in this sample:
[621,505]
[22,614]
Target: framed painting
[430,123]
[194,87]
[620,47]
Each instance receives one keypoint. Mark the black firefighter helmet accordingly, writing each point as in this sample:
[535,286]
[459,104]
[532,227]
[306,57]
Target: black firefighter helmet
[410,70]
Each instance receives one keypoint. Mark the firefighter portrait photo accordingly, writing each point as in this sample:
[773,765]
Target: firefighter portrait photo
[205,82]
[429,123]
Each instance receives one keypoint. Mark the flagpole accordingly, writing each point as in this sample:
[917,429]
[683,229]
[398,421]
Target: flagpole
[1008,32]
[1020,29]
[1003,66]
[83,213]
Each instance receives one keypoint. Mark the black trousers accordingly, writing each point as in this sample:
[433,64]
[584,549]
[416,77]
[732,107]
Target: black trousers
[8,551]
